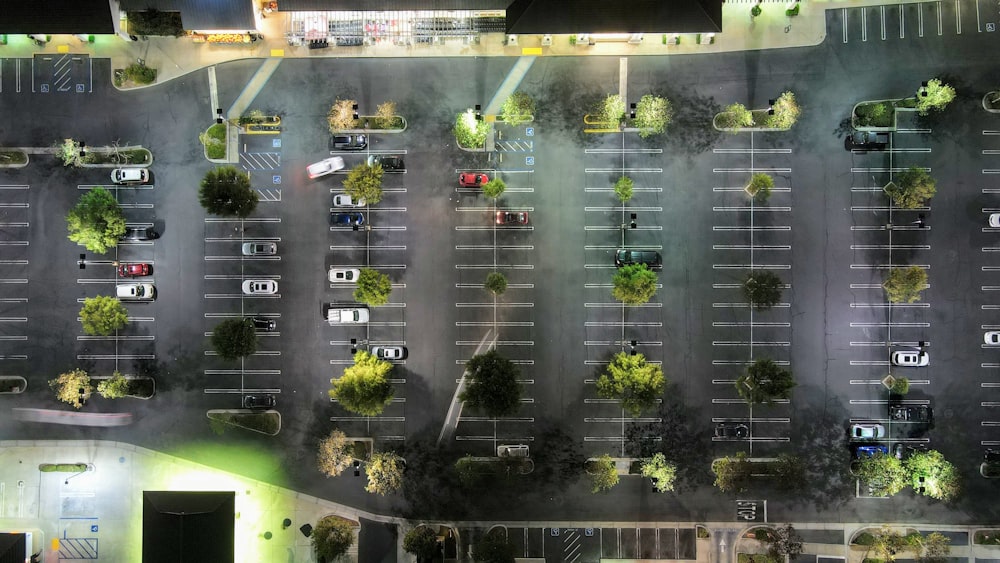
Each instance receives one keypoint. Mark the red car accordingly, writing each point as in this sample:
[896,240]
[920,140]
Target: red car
[134,270]
[512,217]
[472,179]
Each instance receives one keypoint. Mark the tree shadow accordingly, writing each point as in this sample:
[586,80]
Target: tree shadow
[679,438]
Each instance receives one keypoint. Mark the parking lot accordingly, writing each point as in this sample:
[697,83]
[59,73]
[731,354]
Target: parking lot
[15,232]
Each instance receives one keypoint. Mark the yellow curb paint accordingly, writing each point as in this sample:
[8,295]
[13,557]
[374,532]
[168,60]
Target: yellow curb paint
[63,48]
[277,52]
[531,50]
[489,118]
[55,544]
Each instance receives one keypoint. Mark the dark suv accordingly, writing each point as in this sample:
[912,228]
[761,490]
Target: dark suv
[731,430]
[352,142]
[258,402]
[911,413]
[388,163]
[627,257]
[263,323]
[139,233]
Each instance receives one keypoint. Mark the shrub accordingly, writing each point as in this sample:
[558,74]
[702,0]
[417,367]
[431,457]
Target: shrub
[341,115]
[900,386]
[735,116]
[494,188]
[496,283]
[72,387]
[215,141]
[470,132]
[385,116]
[517,108]
[623,188]
[114,388]
[611,110]
[760,186]
[603,475]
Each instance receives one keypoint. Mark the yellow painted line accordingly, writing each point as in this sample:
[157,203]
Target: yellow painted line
[55,544]
[63,48]
[602,130]
[531,50]
[489,118]
[277,52]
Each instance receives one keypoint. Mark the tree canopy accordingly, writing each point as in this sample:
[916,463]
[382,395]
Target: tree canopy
[103,315]
[491,385]
[735,116]
[602,473]
[733,474]
[114,388]
[936,96]
[470,132]
[762,289]
[421,542]
[335,454]
[96,222]
[786,112]
[662,472]
[341,115]
[493,547]
[760,186]
[611,110]
[652,115]
[764,381]
[623,188]
[884,474]
[496,283]
[517,109]
[365,182]
[494,188]
[373,287]
[633,381]
[634,284]
[364,388]
[385,473]
[912,188]
[226,191]
[903,285]
[234,338]
[932,475]
[72,387]
[331,537]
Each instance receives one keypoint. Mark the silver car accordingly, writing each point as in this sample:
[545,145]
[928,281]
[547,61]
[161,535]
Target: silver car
[260,248]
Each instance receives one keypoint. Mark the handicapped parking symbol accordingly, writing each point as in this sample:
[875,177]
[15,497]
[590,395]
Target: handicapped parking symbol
[991,27]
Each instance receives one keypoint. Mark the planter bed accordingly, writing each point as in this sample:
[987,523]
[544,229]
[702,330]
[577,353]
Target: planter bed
[267,422]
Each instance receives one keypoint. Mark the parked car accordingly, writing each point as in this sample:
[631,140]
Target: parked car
[990,468]
[344,200]
[389,352]
[911,413]
[129,176]
[992,338]
[135,291]
[260,287]
[258,402]
[263,323]
[343,275]
[910,358]
[347,315]
[903,451]
[870,140]
[140,233]
[349,142]
[867,431]
[347,218]
[626,257]
[134,270]
[388,163]
[995,220]
[260,248]
[732,430]
[516,450]
[870,450]
[512,217]
[325,166]
[472,179]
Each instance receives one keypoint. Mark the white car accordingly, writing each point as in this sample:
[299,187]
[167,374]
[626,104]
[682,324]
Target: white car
[324,167]
[130,176]
[347,316]
[260,248]
[344,200]
[519,450]
[867,431]
[389,352]
[992,338]
[260,287]
[995,220]
[344,275]
[910,358]
[136,291]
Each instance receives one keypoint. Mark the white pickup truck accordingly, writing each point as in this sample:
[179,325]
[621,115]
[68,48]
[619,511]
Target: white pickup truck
[347,315]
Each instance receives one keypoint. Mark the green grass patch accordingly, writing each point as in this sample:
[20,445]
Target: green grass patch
[756,558]
[864,538]
[62,467]
[8,156]
[266,422]
[987,537]
[215,141]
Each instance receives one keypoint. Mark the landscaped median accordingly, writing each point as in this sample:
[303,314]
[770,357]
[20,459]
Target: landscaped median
[216,143]
[265,422]
[13,158]
[77,153]
[780,115]
[880,115]
[991,101]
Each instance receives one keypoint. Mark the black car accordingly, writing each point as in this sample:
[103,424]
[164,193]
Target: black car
[387,162]
[347,218]
[911,413]
[258,402]
[261,323]
[869,140]
[627,257]
[731,430]
[352,142]
[139,233]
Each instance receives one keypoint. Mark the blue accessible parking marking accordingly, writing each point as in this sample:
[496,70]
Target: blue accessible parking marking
[529,160]
[276,179]
[93,528]
[275,143]
[45,88]
[529,131]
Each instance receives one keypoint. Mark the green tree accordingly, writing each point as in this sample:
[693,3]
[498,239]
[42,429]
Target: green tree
[234,338]
[884,474]
[900,386]
[103,315]
[623,188]
[518,108]
[611,110]
[660,471]
[912,188]
[494,188]
[96,222]
[365,182]
[470,132]
[331,537]
[114,388]
[784,542]
[786,112]
[932,475]
[492,385]
[421,542]
[496,283]
[652,115]
[791,471]
[602,473]
[373,287]
[335,454]
[886,543]
[903,285]
[734,117]
[634,284]
[934,548]
[763,382]
[341,116]
[733,474]
[72,387]
[226,191]
[385,115]
[760,186]
[70,152]
[936,96]
[762,289]
[364,388]
[385,473]
[633,381]
[493,547]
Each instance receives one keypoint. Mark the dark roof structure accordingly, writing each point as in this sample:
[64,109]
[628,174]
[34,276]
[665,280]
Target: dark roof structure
[601,16]
[202,14]
[12,548]
[389,5]
[57,16]
[188,527]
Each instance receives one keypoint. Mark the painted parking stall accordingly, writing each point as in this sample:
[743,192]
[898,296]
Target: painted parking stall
[15,232]
[988,279]
[913,22]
